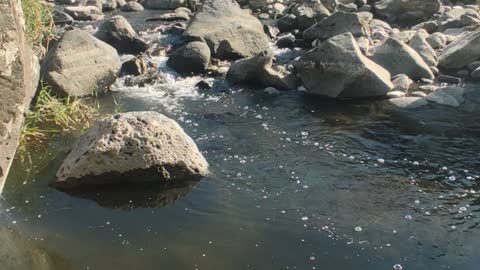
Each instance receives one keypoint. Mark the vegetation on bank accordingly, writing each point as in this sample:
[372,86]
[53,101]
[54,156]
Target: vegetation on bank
[51,115]
[39,26]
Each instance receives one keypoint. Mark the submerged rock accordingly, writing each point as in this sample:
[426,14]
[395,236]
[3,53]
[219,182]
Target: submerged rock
[163,4]
[229,31]
[134,147]
[80,64]
[119,33]
[399,58]
[191,58]
[338,69]
[407,12]
[258,70]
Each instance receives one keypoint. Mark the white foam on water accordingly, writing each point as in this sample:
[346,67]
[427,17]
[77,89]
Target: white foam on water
[169,94]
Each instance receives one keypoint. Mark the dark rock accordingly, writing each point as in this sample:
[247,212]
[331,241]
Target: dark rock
[191,58]
[120,34]
[134,67]
[449,79]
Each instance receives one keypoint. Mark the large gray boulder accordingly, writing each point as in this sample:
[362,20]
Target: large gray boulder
[19,74]
[258,70]
[229,31]
[119,33]
[134,147]
[338,69]
[461,52]
[399,58]
[408,12]
[420,44]
[80,64]
[191,58]
[338,23]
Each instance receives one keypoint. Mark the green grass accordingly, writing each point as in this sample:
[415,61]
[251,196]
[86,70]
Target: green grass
[53,115]
[39,26]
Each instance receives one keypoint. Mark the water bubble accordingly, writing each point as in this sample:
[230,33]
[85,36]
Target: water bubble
[408,217]
[452,178]
[312,258]
[358,229]
[381,160]
[416,163]
[304,218]
[398,267]
[463,209]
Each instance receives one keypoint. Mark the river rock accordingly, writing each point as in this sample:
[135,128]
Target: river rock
[132,6]
[338,23]
[120,34]
[402,83]
[429,26]
[338,69]
[437,40]
[191,58]
[84,13]
[135,67]
[133,147]
[307,16]
[458,18]
[258,70]
[422,47]
[398,58]
[449,96]
[287,23]
[163,4]
[228,30]
[461,52]
[407,12]
[80,64]
[408,103]
[109,5]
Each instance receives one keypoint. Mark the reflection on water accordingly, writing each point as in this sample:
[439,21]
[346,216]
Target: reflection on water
[296,183]
[131,196]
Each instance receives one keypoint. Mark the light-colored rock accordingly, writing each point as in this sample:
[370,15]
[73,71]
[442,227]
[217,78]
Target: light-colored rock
[461,52]
[131,6]
[80,64]
[418,94]
[19,74]
[422,47]
[396,94]
[408,103]
[437,40]
[258,70]
[458,18]
[132,147]
[119,33]
[191,58]
[398,58]
[338,23]
[84,13]
[404,36]
[429,26]
[402,83]
[238,35]
[338,69]
[407,12]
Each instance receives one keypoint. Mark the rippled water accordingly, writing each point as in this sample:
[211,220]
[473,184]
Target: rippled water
[296,183]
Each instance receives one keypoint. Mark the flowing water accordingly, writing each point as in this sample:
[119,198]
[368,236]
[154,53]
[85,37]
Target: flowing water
[296,183]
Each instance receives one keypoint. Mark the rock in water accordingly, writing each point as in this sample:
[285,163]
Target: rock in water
[191,58]
[407,12]
[338,69]
[399,58]
[132,147]
[258,70]
[119,33]
[163,4]
[461,52]
[229,31]
[79,64]
[338,23]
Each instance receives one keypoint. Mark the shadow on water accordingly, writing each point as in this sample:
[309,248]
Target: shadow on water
[132,196]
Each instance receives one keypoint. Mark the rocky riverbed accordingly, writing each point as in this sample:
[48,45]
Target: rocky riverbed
[330,135]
